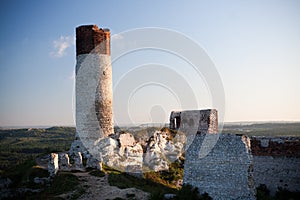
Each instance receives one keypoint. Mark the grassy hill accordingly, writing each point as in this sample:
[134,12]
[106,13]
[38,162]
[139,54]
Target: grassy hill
[263,129]
[19,145]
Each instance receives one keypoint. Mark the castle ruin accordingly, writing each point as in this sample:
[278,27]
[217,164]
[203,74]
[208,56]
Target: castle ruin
[226,166]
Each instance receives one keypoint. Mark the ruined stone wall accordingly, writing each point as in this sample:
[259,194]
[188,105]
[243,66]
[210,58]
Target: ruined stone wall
[195,121]
[219,164]
[225,172]
[276,162]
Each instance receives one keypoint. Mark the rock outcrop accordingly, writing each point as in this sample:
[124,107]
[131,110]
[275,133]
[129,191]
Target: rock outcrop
[162,149]
[122,152]
[53,164]
[64,161]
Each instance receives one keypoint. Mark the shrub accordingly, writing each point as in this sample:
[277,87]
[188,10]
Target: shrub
[283,194]
[262,192]
[97,173]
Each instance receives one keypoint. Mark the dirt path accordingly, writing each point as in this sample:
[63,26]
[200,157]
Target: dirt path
[99,188]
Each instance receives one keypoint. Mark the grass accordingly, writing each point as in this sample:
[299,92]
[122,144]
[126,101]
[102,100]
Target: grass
[124,180]
[97,173]
[23,176]
[19,145]
[264,129]
[62,183]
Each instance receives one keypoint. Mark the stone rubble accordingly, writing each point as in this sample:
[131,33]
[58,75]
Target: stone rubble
[125,154]
[53,164]
[78,164]
[64,162]
[162,150]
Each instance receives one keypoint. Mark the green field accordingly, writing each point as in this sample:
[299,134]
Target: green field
[19,145]
[263,129]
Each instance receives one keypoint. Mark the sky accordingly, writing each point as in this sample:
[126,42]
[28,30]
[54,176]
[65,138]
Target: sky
[254,45]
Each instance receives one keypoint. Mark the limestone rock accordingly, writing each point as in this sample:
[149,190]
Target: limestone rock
[78,165]
[108,148]
[63,162]
[134,170]
[77,146]
[162,150]
[94,163]
[133,156]
[53,164]
[126,139]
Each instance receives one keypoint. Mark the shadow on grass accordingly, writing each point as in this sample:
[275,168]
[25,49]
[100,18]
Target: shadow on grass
[123,180]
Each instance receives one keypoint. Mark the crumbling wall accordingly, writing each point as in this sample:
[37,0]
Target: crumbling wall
[276,162]
[219,164]
[225,172]
[195,121]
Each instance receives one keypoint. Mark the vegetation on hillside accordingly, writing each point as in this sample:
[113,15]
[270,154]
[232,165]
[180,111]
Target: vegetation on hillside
[19,145]
[263,129]
[263,193]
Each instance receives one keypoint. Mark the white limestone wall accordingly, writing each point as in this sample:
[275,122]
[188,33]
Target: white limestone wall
[94,119]
[277,172]
[225,172]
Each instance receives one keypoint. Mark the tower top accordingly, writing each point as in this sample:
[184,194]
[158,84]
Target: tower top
[91,39]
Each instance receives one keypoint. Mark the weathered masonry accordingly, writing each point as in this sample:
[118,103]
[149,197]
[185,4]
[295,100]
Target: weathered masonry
[276,162]
[94,115]
[93,70]
[226,166]
[235,164]
[195,121]
[226,171]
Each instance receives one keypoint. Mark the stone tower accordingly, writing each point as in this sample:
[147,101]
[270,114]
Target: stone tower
[94,117]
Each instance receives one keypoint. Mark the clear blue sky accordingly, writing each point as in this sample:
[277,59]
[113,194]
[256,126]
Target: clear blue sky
[255,46]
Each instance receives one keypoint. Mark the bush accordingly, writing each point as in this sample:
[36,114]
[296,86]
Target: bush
[283,194]
[97,173]
[189,192]
[156,196]
[262,192]
[63,182]
[124,180]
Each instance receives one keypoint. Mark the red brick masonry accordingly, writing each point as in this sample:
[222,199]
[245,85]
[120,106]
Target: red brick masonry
[91,39]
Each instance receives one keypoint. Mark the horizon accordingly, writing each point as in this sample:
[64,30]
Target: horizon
[254,47]
[144,124]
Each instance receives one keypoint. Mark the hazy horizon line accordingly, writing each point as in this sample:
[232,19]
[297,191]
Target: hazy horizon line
[145,124]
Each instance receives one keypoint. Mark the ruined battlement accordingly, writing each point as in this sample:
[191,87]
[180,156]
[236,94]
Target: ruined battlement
[91,39]
[197,121]
[275,146]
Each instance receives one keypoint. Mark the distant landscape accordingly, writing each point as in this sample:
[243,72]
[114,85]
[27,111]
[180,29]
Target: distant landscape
[20,148]
[18,145]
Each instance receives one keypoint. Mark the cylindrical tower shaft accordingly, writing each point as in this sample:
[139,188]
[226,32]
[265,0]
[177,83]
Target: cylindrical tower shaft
[94,117]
